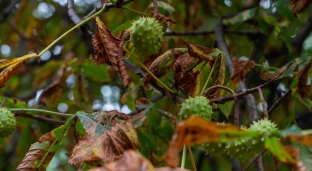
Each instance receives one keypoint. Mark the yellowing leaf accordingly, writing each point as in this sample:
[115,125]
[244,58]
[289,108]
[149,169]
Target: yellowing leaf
[240,69]
[7,62]
[103,136]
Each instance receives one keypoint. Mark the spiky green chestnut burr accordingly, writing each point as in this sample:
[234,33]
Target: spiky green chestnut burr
[198,106]
[7,122]
[265,128]
[146,35]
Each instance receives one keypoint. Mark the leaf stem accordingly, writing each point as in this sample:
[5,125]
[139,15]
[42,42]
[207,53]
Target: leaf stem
[132,10]
[192,157]
[209,76]
[39,110]
[147,70]
[70,30]
[259,65]
[183,157]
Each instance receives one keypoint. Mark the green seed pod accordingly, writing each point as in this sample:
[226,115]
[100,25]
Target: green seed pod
[214,149]
[265,127]
[147,35]
[7,122]
[198,106]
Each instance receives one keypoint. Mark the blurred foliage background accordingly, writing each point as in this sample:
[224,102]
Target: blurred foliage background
[267,31]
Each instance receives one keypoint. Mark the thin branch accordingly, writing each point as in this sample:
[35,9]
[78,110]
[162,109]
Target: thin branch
[155,8]
[210,32]
[40,118]
[236,110]
[192,157]
[39,110]
[254,160]
[264,108]
[8,10]
[279,101]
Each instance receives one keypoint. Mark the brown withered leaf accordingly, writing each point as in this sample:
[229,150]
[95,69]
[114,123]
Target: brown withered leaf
[298,165]
[305,139]
[53,92]
[164,19]
[267,76]
[41,153]
[103,136]
[132,161]
[302,87]
[298,6]
[240,69]
[81,95]
[197,130]
[214,57]
[107,47]
[183,77]
[163,63]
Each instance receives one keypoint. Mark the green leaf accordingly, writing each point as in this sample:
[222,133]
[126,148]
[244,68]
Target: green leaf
[13,103]
[96,72]
[241,17]
[164,5]
[123,26]
[294,129]
[277,149]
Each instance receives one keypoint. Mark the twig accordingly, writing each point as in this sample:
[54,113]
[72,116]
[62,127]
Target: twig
[236,109]
[250,33]
[264,108]
[254,160]
[222,100]
[279,101]
[147,70]
[40,118]
[39,110]
[155,8]
[8,10]
[192,157]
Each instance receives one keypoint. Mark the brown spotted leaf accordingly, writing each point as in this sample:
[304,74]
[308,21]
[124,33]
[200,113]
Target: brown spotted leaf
[298,6]
[197,130]
[41,153]
[112,49]
[103,136]
[53,92]
[302,87]
[240,69]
